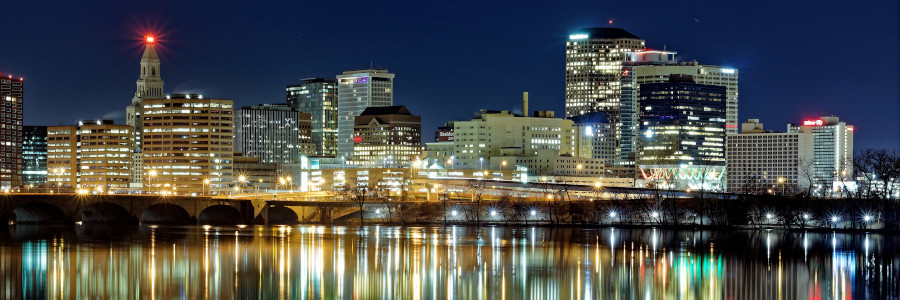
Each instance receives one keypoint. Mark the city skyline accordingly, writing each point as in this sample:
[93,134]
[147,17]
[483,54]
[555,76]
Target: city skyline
[785,76]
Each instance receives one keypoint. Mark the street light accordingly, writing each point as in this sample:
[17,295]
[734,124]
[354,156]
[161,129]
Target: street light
[241,180]
[481,160]
[781,182]
[205,183]
[503,164]
[152,175]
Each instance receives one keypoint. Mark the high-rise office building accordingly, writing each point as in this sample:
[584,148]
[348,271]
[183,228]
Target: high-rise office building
[358,90]
[683,132]
[12,95]
[655,66]
[387,137]
[594,58]
[92,155]
[188,139]
[760,160]
[319,98]
[832,150]
[34,155]
[149,85]
[271,132]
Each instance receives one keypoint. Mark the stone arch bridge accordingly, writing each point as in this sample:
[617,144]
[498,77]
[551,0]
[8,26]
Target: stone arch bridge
[124,209]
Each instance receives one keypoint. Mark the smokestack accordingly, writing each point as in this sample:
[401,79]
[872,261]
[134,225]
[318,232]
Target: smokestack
[525,103]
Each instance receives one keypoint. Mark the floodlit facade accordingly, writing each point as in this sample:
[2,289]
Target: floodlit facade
[388,137]
[12,95]
[34,155]
[274,133]
[683,132]
[833,150]
[762,161]
[188,139]
[318,97]
[655,66]
[358,90]
[94,155]
[500,133]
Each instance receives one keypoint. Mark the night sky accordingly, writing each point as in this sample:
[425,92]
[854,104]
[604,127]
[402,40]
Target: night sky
[797,60]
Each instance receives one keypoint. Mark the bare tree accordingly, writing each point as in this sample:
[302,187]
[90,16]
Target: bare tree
[477,187]
[359,193]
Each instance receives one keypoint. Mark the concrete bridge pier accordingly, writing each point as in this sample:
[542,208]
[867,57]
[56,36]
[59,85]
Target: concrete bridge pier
[325,213]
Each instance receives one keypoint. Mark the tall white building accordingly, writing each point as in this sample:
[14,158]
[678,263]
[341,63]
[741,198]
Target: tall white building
[357,90]
[149,86]
[833,149]
[654,66]
[760,160]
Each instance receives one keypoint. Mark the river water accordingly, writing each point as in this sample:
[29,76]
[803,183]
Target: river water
[389,262]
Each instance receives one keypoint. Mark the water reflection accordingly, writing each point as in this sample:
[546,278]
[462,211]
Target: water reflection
[376,262]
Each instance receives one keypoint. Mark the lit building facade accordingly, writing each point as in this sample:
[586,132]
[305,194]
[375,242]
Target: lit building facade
[358,90]
[595,136]
[188,139]
[654,66]
[683,132]
[12,95]
[274,133]
[594,58]
[319,98]
[762,161]
[94,155]
[34,155]
[62,156]
[500,133]
[833,150]
[388,136]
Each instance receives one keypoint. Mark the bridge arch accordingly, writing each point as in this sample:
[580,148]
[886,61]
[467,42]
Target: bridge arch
[282,215]
[220,215]
[165,213]
[38,213]
[105,213]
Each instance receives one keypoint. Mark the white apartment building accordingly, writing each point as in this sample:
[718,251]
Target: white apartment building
[833,149]
[760,161]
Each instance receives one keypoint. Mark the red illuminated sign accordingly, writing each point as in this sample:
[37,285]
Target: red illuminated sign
[812,123]
[357,139]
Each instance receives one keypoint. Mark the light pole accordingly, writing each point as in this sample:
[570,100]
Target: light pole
[241,180]
[481,160]
[781,182]
[152,174]
[205,183]
[503,165]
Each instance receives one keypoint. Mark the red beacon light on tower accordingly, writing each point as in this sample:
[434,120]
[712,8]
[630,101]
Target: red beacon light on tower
[150,39]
